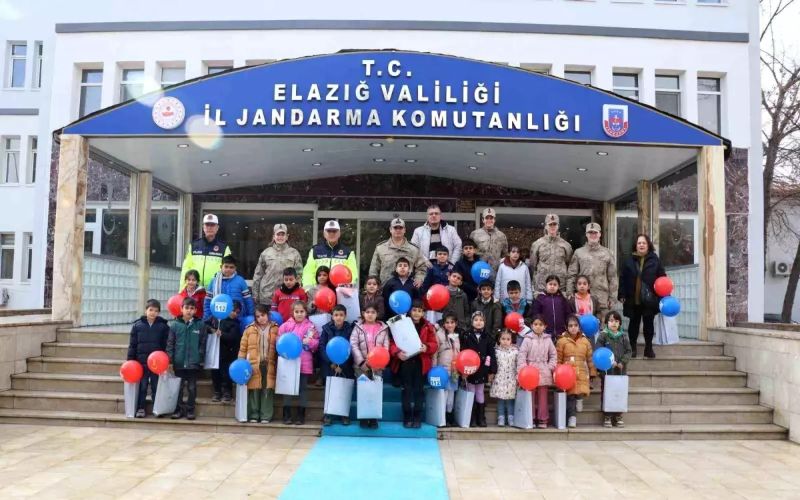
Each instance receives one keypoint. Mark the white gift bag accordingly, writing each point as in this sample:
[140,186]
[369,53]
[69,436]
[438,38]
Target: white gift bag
[560,410]
[287,377]
[319,321]
[523,409]
[241,402]
[463,407]
[369,397]
[166,394]
[131,393]
[615,394]
[405,334]
[212,352]
[433,316]
[666,330]
[435,407]
[338,396]
[347,295]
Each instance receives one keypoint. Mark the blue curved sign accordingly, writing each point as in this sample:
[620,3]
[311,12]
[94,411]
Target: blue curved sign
[392,93]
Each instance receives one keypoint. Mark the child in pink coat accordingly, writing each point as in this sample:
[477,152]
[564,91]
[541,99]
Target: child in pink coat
[538,350]
[300,326]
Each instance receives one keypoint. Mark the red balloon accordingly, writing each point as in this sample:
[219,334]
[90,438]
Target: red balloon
[438,296]
[174,305]
[131,371]
[663,286]
[467,362]
[340,275]
[158,362]
[378,358]
[325,299]
[564,377]
[514,321]
[528,378]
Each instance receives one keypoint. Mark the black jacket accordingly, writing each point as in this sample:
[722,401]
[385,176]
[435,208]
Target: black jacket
[231,336]
[146,338]
[492,312]
[651,270]
[394,284]
[485,349]
[329,332]
[469,286]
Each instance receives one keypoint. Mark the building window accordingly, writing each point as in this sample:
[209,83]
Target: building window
[711,2]
[6,256]
[132,86]
[584,77]
[91,90]
[627,84]
[38,64]
[33,153]
[542,69]
[27,256]
[10,167]
[668,94]
[213,70]
[709,100]
[18,53]
[171,76]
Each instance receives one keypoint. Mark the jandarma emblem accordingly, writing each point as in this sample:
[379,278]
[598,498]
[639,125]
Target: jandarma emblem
[168,113]
[615,120]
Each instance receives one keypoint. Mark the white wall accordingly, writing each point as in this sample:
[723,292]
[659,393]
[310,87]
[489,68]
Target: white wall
[781,248]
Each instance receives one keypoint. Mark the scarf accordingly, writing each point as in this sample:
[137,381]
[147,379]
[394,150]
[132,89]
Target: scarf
[611,334]
[263,342]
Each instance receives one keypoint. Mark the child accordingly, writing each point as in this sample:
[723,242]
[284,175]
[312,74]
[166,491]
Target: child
[372,295]
[412,368]
[227,281]
[368,333]
[479,340]
[464,266]
[512,269]
[614,338]
[230,333]
[575,349]
[186,348]
[459,302]
[300,326]
[148,334]
[439,270]
[504,387]
[514,302]
[337,327]
[400,280]
[194,290]
[287,294]
[449,346]
[258,347]
[553,306]
[583,302]
[538,350]
[322,282]
[491,309]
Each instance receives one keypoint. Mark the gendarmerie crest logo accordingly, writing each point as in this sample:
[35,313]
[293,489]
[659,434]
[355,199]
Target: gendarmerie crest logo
[615,120]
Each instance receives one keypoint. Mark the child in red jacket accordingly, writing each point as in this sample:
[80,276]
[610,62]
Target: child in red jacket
[412,369]
[194,290]
[287,294]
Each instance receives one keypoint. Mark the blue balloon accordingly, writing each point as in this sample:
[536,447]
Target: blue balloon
[603,358]
[289,345]
[400,301]
[246,321]
[338,350]
[589,324]
[276,317]
[438,378]
[480,271]
[670,306]
[240,371]
[221,306]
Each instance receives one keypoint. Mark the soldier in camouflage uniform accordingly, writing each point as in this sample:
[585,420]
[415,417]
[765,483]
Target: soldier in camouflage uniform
[492,243]
[595,261]
[550,254]
[384,259]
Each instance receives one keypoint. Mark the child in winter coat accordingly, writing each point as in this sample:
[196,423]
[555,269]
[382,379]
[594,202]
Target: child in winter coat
[148,334]
[504,386]
[229,332]
[512,269]
[458,305]
[553,306]
[337,327]
[401,280]
[192,288]
[514,302]
[480,341]
[615,339]
[258,347]
[575,349]
[287,294]
[186,348]
[464,266]
[538,350]
[371,294]
[412,368]
[438,271]
[491,309]
[322,282]
[300,326]
[583,302]
[447,336]
[368,333]
[229,282]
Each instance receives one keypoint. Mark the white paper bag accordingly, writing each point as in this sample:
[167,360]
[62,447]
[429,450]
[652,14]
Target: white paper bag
[319,321]
[287,377]
[462,408]
[405,334]
[433,316]
[523,409]
[241,402]
[131,392]
[615,394]
[347,295]
[212,352]
[666,330]
[166,394]
[560,410]
[435,407]
[338,396]
[369,397]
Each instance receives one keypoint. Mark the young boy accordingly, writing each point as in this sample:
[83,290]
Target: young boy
[148,334]
[287,294]
[515,302]
[195,290]
[230,332]
[337,327]
[464,266]
[186,348]
[227,281]
[485,303]
[459,303]
[439,271]
[400,280]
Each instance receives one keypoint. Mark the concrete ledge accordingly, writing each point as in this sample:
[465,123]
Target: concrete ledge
[20,339]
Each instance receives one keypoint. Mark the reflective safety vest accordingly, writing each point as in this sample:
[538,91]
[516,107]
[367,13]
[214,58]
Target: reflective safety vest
[205,257]
[323,254]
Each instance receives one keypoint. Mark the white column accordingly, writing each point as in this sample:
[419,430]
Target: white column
[109,96]
[603,77]
[140,220]
[713,282]
[689,95]
[648,86]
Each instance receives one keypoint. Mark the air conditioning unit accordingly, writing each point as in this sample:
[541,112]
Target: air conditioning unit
[781,268]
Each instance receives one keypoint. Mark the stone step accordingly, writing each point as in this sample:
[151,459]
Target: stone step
[84,350]
[688,378]
[675,363]
[46,364]
[86,336]
[686,347]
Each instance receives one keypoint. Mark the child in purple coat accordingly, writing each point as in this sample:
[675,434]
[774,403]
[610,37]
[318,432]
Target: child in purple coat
[553,307]
[300,326]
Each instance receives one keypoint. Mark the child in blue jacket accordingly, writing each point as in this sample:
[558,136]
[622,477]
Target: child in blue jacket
[336,327]
[227,281]
[439,271]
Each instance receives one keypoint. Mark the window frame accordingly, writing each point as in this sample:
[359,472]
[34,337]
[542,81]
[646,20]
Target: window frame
[167,83]
[12,59]
[38,64]
[7,249]
[33,156]
[84,86]
[27,257]
[578,72]
[637,89]
[4,160]
[677,92]
[213,69]
[717,93]
[125,84]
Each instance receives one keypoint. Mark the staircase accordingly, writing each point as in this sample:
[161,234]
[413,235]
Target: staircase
[690,391]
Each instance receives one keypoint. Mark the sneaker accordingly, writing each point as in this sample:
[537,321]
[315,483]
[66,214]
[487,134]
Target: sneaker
[178,414]
[373,424]
[265,421]
[216,398]
[253,421]
[607,422]
[649,353]
[542,425]
[140,413]
[226,398]
[326,420]
[363,423]
[501,421]
[345,420]
[620,422]
[511,420]
[579,405]
[190,415]
[572,422]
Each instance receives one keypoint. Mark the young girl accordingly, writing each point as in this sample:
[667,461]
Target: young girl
[258,347]
[449,346]
[614,338]
[195,290]
[538,350]
[300,326]
[512,268]
[583,302]
[480,341]
[412,369]
[574,348]
[322,281]
[367,333]
[553,307]
[504,386]
[371,295]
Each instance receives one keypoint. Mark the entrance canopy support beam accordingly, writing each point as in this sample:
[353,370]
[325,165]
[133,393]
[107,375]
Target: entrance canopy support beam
[144,203]
[644,204]
[610,227]
[713,260]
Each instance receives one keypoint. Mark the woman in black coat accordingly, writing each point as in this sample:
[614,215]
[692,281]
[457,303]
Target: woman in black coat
[639,300]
